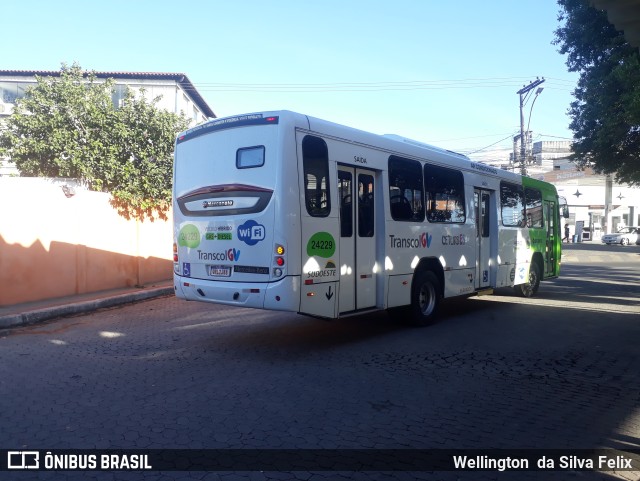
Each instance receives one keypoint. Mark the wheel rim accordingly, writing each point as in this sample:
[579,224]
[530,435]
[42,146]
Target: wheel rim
[625,241]
[427,299]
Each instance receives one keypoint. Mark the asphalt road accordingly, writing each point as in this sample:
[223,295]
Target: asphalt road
[496,372]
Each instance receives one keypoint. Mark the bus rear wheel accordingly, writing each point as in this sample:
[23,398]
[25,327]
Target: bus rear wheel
[425,298]
[530,288]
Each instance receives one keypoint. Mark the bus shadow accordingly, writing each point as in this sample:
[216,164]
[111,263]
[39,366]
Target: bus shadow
[298,336]
[285,334]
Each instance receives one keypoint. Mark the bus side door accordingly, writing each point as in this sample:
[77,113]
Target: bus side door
[356,191]
[550,260]
[481,201]
[319,228]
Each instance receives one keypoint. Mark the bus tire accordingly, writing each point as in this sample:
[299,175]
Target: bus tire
[530,288]
[425,298]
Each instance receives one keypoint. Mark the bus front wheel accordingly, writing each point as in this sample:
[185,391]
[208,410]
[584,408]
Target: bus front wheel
[529,288]
[425,298]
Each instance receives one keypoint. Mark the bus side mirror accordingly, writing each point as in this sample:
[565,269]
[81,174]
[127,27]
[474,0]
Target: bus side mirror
[565,212]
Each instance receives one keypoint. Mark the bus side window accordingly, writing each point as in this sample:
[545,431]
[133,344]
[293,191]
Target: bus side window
[406,192]
[550,212]
[444,194]
[485,210]
[533,198]
[512,205]
[315,160]
[365,206]
[346,204]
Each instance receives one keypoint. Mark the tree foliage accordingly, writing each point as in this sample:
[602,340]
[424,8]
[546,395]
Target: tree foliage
[68,126]
[606,111]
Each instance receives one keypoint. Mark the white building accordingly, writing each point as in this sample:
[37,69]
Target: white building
[178,94]
[595,202]
[601,205]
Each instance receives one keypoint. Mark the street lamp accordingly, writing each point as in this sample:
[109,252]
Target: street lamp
[524,93]
[538,92]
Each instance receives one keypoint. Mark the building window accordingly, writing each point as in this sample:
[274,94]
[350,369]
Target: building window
[12,91]
[8,92]
[118,95]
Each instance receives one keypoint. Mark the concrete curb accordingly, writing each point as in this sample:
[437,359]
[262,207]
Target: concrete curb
[53,312]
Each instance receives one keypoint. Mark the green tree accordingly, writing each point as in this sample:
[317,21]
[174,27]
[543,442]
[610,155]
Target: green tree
[68,126]
[606,111]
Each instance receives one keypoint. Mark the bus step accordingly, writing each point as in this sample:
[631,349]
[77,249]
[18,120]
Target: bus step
[485,292]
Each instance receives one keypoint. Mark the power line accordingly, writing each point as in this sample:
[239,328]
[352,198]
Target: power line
[404,82]
[463,138]
[496,82]
[538,136]
[556,137]
[490,145]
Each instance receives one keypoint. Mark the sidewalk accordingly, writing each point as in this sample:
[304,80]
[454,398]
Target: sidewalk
[33,312]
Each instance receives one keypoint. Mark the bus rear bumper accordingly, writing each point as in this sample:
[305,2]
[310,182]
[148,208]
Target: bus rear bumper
[281,295]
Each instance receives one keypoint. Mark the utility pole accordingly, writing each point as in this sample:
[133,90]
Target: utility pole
[524,93]
[608,204]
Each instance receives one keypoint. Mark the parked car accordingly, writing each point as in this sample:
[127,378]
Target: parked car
[625,236]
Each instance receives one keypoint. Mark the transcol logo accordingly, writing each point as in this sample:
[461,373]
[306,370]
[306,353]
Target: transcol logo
[251,232]
[229,255]
[423,240]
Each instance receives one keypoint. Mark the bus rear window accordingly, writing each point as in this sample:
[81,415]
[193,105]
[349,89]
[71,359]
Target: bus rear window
[315,161]
[250,157]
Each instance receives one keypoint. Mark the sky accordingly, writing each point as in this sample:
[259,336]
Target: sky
[441,72]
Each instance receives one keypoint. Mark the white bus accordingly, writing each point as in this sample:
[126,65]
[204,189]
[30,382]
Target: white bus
[282,211]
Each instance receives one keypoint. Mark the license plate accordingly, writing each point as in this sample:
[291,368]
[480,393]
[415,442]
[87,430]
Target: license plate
[219,271]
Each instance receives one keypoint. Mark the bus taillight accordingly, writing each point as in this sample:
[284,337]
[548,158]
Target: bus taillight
[279,260]
[175,252]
